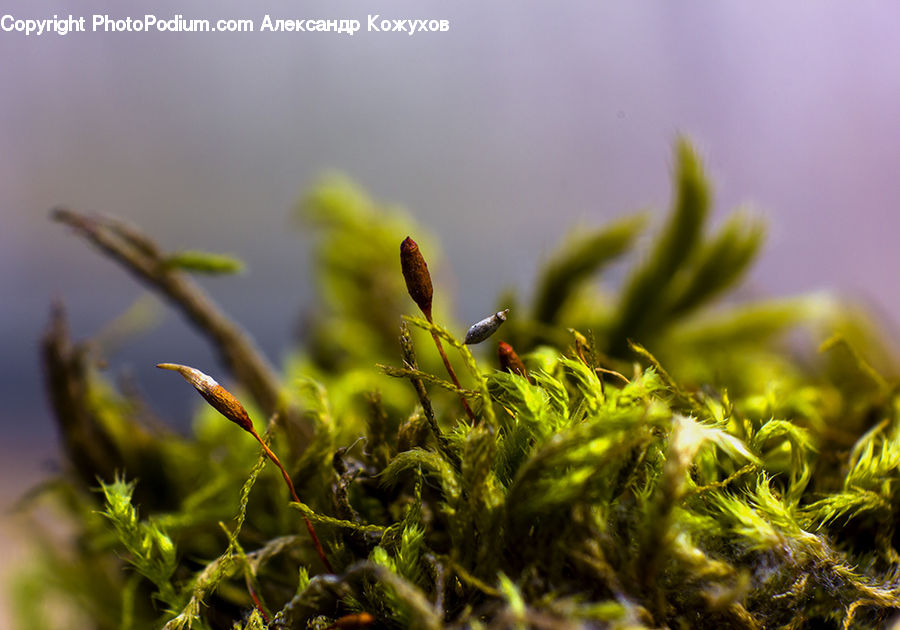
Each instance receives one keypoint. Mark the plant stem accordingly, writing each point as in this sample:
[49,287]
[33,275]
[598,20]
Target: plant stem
[256,601]
[290,484]
[440,347]
[140,255]
[409,360]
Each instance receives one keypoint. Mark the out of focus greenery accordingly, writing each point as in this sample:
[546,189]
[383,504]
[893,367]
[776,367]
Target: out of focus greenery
[673,460]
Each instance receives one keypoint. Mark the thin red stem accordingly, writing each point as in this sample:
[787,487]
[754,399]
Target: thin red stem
[290,484]
[256,602]
[440,347]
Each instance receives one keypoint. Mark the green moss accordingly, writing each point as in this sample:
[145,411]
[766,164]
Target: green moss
[667,463]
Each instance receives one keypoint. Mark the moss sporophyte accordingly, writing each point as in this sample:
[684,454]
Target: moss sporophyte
[483,329]
[416,275]
[222,401]
[509,361]
[418,284]
[632,458]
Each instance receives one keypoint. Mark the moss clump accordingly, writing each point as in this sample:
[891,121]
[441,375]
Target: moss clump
[654,463]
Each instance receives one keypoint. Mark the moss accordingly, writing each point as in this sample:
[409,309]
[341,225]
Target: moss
[660,461]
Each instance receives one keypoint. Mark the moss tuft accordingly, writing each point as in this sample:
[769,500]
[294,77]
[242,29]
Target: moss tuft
[648,461]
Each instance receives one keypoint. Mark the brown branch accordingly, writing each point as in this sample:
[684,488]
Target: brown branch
[88,445]
[138,254]
[97,445]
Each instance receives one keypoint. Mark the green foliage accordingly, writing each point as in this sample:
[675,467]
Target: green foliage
[150,550]
[665,464]
[204,262]
[642,299]
[581,257]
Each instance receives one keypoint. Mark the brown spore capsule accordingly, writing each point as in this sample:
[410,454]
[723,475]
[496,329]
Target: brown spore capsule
[510,361]
[415,272]
[217,396]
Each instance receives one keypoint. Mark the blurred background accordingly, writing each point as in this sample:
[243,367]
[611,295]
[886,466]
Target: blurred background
[524,120]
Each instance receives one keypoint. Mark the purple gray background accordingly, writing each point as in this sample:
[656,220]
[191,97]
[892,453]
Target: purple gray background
[525,119]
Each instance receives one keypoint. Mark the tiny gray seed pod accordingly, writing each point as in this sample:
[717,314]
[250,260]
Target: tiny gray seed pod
[485,328]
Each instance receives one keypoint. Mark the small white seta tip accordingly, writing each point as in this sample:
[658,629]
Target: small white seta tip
[203,382]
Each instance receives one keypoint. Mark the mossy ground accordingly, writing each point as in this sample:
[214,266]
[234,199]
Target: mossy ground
[664,464]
